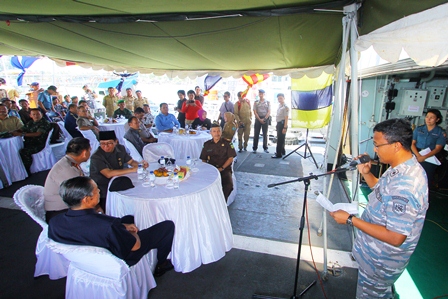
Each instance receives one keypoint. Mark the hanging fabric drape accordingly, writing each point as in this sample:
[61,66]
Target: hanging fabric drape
[24,64]
[209,83]
[252,80]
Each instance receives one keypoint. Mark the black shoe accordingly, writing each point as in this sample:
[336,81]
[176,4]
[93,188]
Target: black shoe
[163,268]
[245,149]
[254,151]
[275,157]
[240,151]
[266,151]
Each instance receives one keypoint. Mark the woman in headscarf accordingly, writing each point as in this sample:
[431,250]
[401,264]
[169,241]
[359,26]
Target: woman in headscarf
[202,121]
[229,127]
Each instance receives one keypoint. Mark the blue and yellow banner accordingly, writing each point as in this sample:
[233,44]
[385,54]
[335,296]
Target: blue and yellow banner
[311,101]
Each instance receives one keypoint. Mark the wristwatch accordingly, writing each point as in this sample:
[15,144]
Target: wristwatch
[349,220]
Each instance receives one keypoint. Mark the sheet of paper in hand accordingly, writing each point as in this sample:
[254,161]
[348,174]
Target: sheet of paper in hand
[351,208]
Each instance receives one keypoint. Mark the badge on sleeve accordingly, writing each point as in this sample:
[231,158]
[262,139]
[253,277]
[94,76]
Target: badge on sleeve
[399,208]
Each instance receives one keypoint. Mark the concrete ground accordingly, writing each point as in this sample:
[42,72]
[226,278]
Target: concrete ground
[265,224]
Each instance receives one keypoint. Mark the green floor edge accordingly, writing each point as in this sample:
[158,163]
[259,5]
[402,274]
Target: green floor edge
[426,275]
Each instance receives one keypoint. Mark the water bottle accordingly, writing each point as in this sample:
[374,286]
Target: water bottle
[140,171]
[175,181]
[162,161]
[176,129]
[152,178]
[188,161]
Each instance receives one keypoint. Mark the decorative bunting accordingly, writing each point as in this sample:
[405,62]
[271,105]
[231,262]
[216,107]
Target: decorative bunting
[209,83]
[252,80]
[22,64]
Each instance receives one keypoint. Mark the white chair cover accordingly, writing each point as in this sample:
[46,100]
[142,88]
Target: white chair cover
[153,151]
[67,136]
[94,144]
[30,199]
[94,272]
[12,164]
[232,195]
[132,150]
[44,159]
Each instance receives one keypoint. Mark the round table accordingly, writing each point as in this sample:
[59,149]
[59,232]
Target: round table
[11,162]
[118,127]
[203,232]
[186,145]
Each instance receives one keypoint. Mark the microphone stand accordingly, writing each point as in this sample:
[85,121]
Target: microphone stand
[306,182]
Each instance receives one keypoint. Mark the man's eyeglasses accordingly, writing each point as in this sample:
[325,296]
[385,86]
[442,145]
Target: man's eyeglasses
[106,143]
[380,145]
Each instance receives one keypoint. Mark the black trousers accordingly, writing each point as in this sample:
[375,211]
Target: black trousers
[280,139]
[264,127]
[158,236]
[226,182]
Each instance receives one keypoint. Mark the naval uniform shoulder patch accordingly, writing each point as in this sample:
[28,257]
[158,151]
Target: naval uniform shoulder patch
[399,208]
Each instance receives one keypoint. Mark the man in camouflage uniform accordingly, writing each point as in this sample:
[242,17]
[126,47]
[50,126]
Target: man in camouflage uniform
[220,153]
[390,227]
[243,115]
[35,133]
[122,111]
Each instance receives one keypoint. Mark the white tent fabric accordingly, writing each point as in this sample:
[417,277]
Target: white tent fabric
[423,36]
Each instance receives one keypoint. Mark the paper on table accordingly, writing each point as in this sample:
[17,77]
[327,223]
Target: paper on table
[431,159]
[351,208]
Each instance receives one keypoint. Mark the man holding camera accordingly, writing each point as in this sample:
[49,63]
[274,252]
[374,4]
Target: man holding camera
[243,116]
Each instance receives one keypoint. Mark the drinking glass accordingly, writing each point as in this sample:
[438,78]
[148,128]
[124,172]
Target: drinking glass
[194,168]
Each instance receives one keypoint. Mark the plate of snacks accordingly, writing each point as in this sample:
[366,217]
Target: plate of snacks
[183,172]
[161,176]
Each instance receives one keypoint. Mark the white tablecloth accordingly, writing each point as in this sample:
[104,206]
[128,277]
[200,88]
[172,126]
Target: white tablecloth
[198,209]
[117,127]
[11,162]
[185,145]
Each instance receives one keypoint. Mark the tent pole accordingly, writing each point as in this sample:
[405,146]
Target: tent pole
[336,120]
[354,98]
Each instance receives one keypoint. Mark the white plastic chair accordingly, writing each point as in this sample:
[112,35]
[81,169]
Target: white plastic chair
[94,144]
[132,150]
[30,199]
[153,151]
[94,273]
[44,159]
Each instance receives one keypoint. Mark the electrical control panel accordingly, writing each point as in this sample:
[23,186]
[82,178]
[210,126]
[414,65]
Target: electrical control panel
[436,96]
[412,101]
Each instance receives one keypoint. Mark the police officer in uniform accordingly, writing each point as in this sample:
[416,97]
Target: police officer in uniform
[220,153]
[282,126]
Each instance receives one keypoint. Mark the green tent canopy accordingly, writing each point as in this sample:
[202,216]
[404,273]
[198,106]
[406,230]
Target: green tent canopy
[194,36]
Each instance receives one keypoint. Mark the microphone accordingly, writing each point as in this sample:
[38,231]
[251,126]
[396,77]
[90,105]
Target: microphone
[362,159]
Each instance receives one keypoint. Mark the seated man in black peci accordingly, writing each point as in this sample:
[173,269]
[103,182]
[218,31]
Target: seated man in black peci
[81,225]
